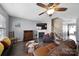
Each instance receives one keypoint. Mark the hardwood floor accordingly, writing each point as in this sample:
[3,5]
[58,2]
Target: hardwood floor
[19,50]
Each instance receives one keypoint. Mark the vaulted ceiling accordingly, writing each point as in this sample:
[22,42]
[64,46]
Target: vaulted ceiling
[30,11]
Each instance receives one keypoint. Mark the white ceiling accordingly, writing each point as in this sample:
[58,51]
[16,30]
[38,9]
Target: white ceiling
[30,11]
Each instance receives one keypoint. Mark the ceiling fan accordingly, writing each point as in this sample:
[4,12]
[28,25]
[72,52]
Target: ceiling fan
[51,7]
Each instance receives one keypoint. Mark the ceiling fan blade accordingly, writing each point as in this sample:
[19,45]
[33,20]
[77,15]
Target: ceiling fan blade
[50,4]
[60,9]
[42,13]
[42,5]
[55,4]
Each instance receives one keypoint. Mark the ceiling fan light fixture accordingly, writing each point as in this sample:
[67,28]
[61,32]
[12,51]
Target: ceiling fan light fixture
[50,11]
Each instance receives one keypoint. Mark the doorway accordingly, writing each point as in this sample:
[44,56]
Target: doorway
[28,35]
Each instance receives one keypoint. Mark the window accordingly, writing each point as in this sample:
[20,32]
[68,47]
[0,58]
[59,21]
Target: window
[69,31]
[72,31]
[2,33]
[2,27]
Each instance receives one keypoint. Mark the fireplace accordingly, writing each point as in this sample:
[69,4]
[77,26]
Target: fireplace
[41,34]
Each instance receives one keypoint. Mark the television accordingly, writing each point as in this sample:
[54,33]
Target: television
[42,25]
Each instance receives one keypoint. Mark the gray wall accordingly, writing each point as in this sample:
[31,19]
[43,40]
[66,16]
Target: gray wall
[24,24]
[77,28]
[5,15]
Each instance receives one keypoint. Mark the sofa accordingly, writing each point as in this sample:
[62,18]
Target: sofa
[66,48]
[7,47]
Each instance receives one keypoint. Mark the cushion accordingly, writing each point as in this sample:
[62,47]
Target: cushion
[70,43]
[5,44]
[41,51]
[7,40]
[62,50]
[1,48]
[48,38]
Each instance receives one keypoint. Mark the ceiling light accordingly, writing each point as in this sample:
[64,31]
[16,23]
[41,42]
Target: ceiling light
[50,11]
